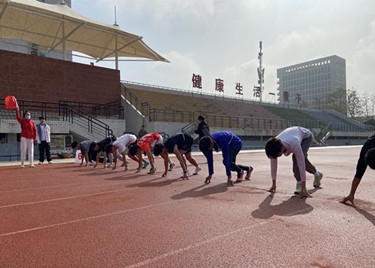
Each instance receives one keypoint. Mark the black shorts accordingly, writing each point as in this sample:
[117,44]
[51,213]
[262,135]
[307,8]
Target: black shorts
[186,146]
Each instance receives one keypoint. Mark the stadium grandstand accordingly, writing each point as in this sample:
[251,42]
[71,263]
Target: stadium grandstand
[174,110]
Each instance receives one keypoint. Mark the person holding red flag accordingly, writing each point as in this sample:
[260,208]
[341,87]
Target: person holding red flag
[28,137]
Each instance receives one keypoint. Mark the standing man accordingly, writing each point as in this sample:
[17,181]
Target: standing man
[142,132]
[44,138]
[295,140]
[230,145]
[203,129]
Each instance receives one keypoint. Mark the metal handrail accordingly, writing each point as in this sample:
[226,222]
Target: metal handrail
[75,116]
[66,112]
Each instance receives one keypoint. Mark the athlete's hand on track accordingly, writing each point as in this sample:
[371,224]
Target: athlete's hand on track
[304,193]
[272,189]
[348,198]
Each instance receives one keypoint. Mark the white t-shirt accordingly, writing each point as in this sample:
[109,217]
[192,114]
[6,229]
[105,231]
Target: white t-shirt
[42,131]
[292,138]
[125,140]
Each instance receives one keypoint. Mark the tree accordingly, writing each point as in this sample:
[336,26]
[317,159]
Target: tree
[336,101]
[354,104]
[366,105]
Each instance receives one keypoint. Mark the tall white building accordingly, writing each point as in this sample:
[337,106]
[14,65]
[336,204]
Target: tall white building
[309,83]
[25,47]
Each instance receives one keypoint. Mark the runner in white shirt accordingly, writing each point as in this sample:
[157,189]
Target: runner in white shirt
[120,144]
[296,140]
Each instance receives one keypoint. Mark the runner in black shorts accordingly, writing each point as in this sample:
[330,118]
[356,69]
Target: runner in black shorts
[180,145]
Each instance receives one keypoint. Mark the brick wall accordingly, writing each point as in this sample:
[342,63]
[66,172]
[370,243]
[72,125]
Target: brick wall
[37,78]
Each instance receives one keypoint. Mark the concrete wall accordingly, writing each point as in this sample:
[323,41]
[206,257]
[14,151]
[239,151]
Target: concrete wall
[170,128]
[134,119]
[118,126]
[12,126]
[30,77]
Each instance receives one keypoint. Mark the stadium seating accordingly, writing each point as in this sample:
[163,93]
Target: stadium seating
[296,117]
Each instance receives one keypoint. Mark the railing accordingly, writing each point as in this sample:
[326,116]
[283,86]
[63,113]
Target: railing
[75,116]
[107,110]
[189,128]
[142,107]
[242,122]
[170,115]
[66,112]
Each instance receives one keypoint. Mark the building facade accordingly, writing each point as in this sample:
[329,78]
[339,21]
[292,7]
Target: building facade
[25,47]
[307,84]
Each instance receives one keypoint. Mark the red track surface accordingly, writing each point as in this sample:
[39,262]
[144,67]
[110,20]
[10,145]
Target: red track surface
[63,215]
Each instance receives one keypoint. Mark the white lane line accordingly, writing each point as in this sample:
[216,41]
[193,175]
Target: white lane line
[92,218]
[213,239]
[63,198]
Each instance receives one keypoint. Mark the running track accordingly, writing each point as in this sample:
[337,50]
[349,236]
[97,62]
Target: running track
[63,215]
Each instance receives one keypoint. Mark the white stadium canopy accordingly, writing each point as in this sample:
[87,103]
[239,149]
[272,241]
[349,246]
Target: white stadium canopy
[59,28]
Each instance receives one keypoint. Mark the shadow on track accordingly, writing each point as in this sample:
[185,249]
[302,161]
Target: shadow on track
[293,206]
[199,192]
[155,182]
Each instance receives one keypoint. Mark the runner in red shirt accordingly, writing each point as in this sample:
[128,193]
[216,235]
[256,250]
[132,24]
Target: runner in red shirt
[146,144]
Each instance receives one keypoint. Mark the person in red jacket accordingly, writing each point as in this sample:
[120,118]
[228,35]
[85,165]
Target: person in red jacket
[28,137]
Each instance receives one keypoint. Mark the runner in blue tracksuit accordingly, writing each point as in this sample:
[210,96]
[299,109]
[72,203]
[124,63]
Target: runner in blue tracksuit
[230,145]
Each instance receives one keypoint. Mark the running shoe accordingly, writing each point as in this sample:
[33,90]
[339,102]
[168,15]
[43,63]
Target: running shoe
[171,166]
[248,174]
[197,169]
[22,165]
[145,164]
[317,179]
[240,178]
[182,176]
[298,188]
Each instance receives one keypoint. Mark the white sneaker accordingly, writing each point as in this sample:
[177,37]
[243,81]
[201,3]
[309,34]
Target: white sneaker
[40,163]
[197,169]
[91,163]
[183,175]
[171,166]
[22,165]
[50,162]
[111,165]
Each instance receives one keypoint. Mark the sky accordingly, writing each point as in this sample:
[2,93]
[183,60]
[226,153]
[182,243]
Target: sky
[220,39]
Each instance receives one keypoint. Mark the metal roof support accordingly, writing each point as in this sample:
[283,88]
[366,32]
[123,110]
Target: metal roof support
[67,36]
[4,9]
[117,49]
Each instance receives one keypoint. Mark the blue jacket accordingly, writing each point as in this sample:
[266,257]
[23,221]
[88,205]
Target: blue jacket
[226,141]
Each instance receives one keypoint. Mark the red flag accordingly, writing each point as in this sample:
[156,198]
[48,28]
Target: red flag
[11,102]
